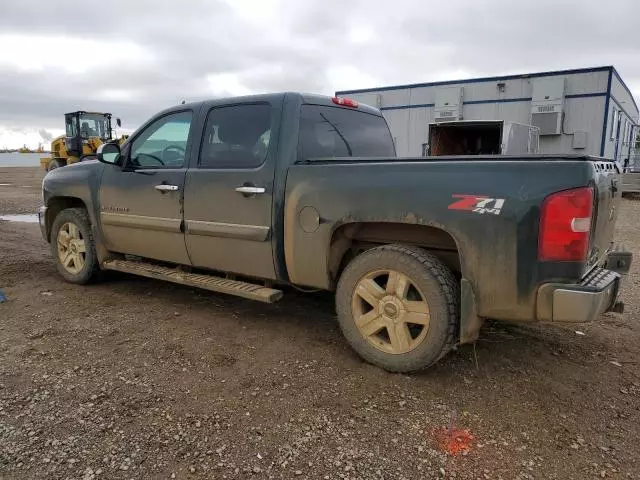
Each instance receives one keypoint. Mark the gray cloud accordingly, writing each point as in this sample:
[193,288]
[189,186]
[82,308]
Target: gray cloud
[171,51]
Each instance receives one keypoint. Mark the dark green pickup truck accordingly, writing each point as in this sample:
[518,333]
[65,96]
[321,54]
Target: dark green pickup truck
[246,195]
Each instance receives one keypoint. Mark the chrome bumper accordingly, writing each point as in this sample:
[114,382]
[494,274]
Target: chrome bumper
[582,302]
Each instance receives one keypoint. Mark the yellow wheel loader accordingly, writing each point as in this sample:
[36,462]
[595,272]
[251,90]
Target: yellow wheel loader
[85,132]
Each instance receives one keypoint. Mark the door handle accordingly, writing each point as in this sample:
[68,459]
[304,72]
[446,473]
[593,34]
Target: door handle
[166,188]
[248,190]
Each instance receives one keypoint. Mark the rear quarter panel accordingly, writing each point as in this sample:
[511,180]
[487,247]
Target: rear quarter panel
[498,252]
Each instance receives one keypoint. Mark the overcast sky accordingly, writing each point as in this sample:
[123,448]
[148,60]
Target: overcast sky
[135,57]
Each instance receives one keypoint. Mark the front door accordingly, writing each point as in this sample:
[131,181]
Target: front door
[141,203]
[229,194]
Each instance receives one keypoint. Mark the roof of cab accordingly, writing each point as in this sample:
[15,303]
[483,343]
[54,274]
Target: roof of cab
[305,98]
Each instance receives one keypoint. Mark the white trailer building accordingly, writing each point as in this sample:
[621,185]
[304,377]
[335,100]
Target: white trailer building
[589,111]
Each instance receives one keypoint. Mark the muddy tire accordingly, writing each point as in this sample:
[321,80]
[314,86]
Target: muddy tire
[398,307]
[55,163]
[72,246]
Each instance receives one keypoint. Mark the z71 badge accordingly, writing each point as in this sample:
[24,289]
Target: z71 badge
[478,204]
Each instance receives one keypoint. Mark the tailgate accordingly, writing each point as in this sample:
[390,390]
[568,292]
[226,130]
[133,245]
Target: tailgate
[608,193]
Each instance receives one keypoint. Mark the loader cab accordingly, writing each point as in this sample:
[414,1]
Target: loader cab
[81,126]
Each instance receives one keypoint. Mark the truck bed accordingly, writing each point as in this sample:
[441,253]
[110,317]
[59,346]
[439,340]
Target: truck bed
[497,245]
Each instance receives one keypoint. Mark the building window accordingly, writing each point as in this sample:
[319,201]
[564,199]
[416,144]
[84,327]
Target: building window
[614,124]
[626,132]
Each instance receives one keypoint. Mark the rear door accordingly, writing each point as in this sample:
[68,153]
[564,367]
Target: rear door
[229,193]
[141,204]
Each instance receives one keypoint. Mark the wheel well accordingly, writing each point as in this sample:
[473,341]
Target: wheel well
[353,238]
[56,205]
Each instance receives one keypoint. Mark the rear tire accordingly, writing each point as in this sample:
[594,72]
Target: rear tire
[73,247]
[398,307]
[55,163]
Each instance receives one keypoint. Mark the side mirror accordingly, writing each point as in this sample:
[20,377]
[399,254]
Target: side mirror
[109,153]
[118,122]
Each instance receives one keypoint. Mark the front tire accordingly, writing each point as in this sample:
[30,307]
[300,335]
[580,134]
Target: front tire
[398,307]
[73,247]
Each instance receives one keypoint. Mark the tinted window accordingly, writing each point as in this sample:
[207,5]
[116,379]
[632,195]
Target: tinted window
[341,132]
[163,144]
[71,126]
[237,136]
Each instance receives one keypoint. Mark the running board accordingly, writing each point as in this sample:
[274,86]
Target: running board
[207,282]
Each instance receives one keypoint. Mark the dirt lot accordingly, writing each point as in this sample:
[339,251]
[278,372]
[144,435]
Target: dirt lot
[134,378]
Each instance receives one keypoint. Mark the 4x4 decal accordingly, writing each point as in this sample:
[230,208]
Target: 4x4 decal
[478,204]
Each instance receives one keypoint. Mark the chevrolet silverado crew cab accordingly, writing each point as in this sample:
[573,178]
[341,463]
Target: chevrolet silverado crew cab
[248,195]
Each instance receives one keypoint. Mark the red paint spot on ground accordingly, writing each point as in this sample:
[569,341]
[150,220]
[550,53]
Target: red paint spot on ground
[454,441]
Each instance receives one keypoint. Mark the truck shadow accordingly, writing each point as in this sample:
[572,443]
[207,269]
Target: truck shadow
[309,319]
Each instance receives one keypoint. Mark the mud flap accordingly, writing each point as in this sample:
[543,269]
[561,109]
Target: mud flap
[470,322]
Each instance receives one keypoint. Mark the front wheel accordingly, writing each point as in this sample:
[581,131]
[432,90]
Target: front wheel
[398,307]
[72,246]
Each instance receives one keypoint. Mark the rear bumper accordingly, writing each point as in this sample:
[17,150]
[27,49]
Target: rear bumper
[596,293]
[582,302]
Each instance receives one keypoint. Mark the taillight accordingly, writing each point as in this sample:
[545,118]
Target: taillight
[565,225]
[345,102]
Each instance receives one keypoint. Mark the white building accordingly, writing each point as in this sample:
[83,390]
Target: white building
[589,111]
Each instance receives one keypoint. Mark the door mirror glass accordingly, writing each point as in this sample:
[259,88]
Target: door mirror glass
[118,122]
[109,153]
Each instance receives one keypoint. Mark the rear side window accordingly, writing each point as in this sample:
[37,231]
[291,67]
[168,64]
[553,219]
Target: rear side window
[341,132]
[236,136]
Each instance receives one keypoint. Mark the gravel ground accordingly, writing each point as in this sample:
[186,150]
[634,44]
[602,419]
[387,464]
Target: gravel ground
[134,378]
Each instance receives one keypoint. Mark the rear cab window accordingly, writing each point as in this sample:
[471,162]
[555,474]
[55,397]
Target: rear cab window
[329,132]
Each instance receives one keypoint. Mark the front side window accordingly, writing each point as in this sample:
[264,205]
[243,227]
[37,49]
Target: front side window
[70,126]
[163,144]
[340,132]
[237,136]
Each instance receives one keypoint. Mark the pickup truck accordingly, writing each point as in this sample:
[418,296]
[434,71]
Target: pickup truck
[250,195]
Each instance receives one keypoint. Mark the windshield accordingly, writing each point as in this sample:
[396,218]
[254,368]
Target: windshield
[341,132]
[94,125]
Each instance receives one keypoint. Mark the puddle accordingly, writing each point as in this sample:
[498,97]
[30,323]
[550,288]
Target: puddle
[31,218]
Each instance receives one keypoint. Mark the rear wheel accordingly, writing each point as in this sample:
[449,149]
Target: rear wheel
[398,307]
[72,246]
[55,163]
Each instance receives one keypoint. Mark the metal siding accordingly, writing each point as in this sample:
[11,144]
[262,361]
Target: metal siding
[623,99]
[622,94]
[620,100]
[584,114]
[396,97]
[419,119]
[484,79]
[398,121]
[366,98]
